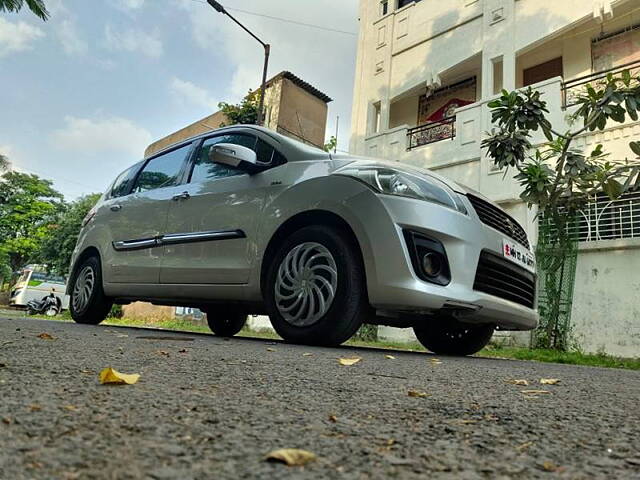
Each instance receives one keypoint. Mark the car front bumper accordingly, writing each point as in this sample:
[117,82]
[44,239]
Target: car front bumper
[394,286]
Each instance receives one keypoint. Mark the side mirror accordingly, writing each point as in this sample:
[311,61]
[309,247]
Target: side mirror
[235,156]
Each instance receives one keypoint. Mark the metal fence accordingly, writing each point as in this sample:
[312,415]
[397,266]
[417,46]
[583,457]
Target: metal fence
[606,219]
[432,132]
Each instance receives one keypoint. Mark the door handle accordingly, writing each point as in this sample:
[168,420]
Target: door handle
[181,196]
[115,208]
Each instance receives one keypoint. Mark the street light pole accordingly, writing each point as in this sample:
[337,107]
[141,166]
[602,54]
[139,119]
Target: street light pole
[267,50]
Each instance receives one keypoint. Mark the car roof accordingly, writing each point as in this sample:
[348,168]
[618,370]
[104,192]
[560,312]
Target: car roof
[293,150]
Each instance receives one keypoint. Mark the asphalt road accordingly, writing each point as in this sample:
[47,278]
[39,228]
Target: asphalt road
[206,407]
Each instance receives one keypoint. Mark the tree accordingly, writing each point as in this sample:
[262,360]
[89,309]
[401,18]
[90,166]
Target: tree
[4,163]
[28,204]
[331,145]
[36,6]
[559,179]
[245,112]
[60,240]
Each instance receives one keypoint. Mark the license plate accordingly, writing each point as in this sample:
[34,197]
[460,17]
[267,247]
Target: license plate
[519,255]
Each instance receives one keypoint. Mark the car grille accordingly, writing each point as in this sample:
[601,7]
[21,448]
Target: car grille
[501,278]
[496,218]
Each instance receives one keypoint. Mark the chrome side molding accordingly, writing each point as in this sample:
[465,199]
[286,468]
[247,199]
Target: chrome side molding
[176,239]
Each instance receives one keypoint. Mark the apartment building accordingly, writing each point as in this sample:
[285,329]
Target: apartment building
[425,73]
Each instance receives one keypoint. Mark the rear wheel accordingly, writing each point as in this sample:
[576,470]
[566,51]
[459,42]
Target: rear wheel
[225,323]
[315,287]
[88,303]
[447,336]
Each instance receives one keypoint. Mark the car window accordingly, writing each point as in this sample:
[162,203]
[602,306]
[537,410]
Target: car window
[122,185]
[205,169]
[162,171]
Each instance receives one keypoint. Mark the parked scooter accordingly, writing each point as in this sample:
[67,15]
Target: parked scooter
[49,306]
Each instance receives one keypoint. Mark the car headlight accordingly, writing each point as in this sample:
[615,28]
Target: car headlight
[394,182]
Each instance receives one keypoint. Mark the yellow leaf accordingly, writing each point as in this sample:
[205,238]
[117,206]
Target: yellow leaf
[549,466]
[349,361]
[534,392]
[271,349]
[435,361]
[109,375]
[291,456]
[417,394]
[307,354]
[45,336]
[163,352]
[389,357]
[333,418]
[35,407]
[519,382]
[549,381]
[71,408]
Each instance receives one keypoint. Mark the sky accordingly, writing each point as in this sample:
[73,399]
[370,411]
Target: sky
[84,93]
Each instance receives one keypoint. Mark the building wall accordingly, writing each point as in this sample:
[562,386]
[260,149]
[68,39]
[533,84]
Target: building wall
[302,114]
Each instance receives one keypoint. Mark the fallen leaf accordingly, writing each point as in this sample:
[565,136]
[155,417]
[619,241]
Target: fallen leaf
[534,392]
[163,352]
[184,350]
[549,466]
[35,407]
[291,456]
[45,336]
[307,354]
[109,375]
[6,420]
[417,394]
[524,446]
[71,408]
[518,382]
[271,349]
[333,418]
[391,441]
[491,417]
[549,381]
[122,335]
[349,361]
[435,361]
[389,357]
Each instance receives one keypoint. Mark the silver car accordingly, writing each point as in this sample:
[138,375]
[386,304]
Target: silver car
[243,221]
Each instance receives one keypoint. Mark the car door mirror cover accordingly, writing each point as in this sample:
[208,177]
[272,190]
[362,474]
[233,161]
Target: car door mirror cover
[236,156]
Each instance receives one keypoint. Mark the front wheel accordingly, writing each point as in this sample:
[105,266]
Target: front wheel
[315,287]
[88,303]
[225,324]
[447,336]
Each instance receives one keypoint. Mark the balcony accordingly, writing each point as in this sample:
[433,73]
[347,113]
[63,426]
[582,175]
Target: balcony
[577,86]
[431,132]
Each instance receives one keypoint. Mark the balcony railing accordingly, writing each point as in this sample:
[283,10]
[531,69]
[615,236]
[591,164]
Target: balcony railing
[577,86]
[431,132]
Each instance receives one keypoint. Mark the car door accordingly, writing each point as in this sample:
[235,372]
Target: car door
[135,217]
[211,229]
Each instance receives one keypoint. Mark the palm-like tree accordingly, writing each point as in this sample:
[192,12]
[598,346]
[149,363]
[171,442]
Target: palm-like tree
[36,6]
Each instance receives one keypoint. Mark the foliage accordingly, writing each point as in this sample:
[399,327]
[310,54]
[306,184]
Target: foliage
[4,163]
[245,112]
[367,333]
[331,145]
[36,6]
[62,234]
[560,179]
[28,205]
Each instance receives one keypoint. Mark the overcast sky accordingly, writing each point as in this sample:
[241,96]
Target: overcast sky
[84,93]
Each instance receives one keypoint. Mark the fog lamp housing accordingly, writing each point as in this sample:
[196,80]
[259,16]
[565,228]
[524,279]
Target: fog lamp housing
[428,258]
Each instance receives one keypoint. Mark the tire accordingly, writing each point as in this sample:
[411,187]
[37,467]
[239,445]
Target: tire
[447,336]
[225,324]
[319,250]
[88,303]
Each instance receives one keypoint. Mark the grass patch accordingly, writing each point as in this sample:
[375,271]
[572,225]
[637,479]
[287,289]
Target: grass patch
[568,358]
[181,325]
